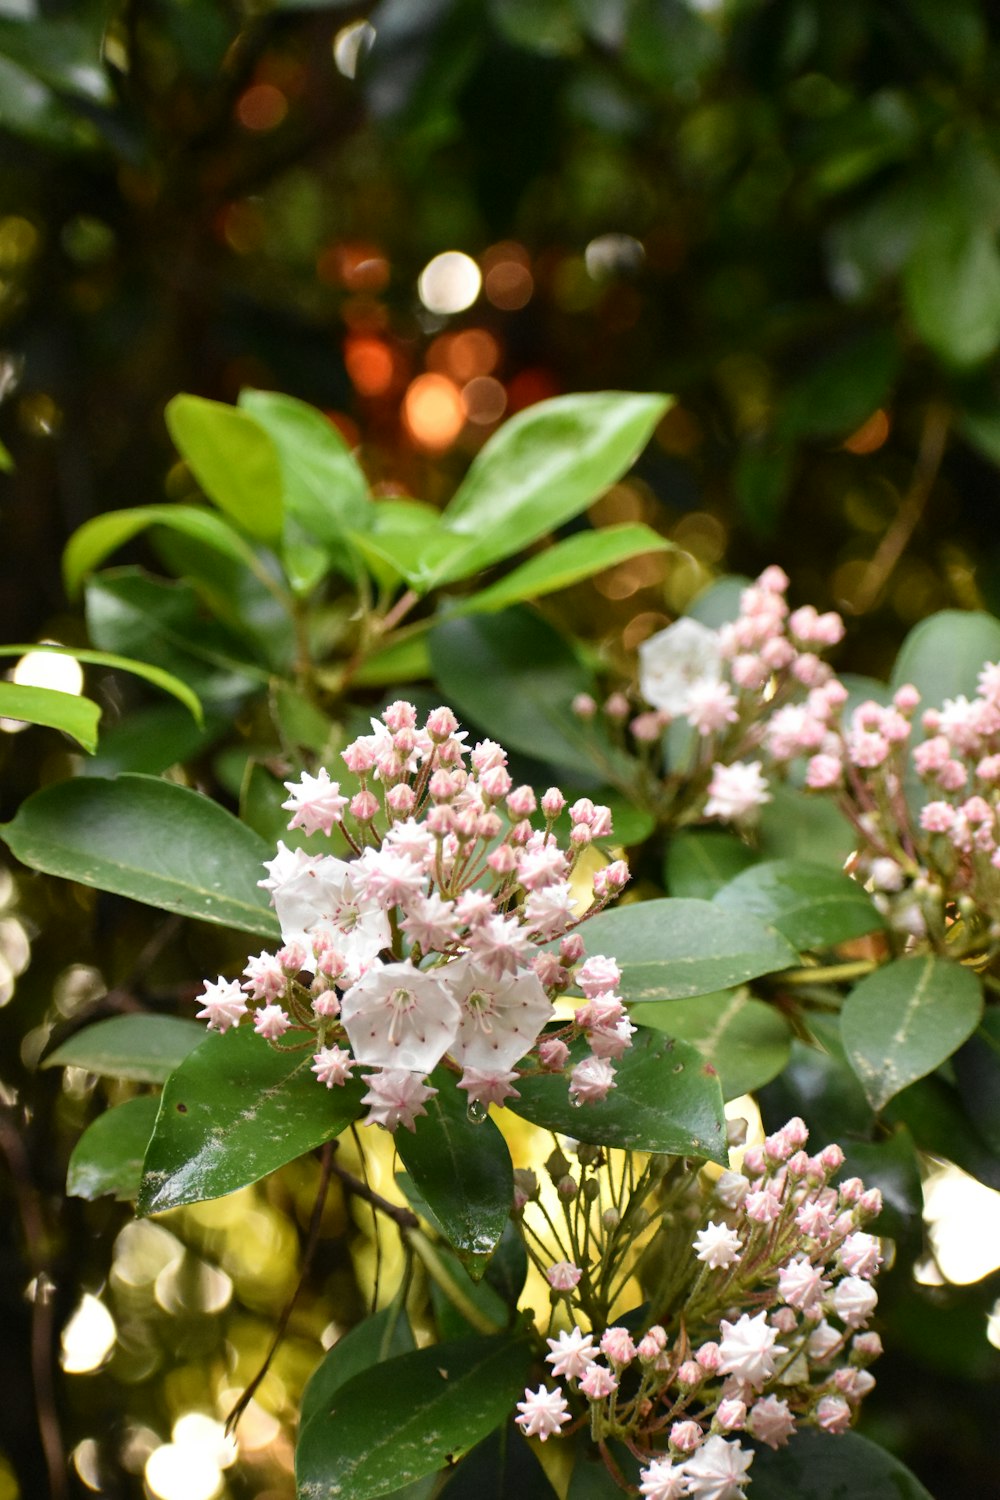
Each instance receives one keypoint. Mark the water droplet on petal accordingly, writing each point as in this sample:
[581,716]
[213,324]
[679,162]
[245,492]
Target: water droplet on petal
[476,1112]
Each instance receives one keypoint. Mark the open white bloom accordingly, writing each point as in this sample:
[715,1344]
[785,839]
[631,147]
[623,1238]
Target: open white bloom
[397,1016]
[322,895]
[748,1349]
[316,802]
[396,1097]
[674,660]
[498,1018]
[663,1480]
[718,1471]
[736,792]
[571,1354]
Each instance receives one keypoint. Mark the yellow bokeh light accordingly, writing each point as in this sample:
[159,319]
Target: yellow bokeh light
[49,669]
[434,411]
[176,1472]
[88,1338]
[963,1224]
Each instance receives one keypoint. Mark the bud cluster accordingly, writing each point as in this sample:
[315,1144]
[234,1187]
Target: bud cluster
[447,934]
[758,1294]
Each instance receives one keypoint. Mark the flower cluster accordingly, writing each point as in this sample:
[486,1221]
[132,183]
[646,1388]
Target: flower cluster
[714,682]
[447,934]
[760,1287]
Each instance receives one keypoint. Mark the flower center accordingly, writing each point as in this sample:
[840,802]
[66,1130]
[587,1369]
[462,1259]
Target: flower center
[481,1004]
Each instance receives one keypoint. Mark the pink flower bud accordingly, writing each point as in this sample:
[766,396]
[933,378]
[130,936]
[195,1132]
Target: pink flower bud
[866,1346]
[647,728]
[503,860]
[709,1357]
[773,580]
[598,1383]
[401,799]
[553,1054]
[617,875]
[364,806]
[648,1351]
[833,1414]
[441,723]
[583,706]
[617,1345]
[399,715]
[581,835]
[731,1414]
[906,698]
[617,707]
[753,1161]
[553,802]
[582,810]
[850,1191]
[521,803]
[832,1158]
[571,949]
[495,782]
[870,1203]
[359,757]
[685,1436]
[600,824]
[442,786]
[690,1372]
[326,1005]
[439,820]
[488,825]
[563,1276]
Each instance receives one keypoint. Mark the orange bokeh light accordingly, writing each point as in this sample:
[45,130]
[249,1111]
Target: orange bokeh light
[464,355]
[870,436]
[433,411]
[359,266]
[370,364]
[485,400]
[529,386]
[261,107]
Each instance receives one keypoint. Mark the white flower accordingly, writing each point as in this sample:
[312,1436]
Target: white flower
[489,1086]
[542,1412]
[771,1421]
[225,1003]
[321,895]
[571,1354]
[397,1016]
[663,1480]
[549,911]
[396,1097]
[718,1471]
[748,1349]
[801,1283]
[315,801]
[591,1080]
[498,1018]
[717,1245]
[332,1066]
[673,660]
[736,792]
[854,1300]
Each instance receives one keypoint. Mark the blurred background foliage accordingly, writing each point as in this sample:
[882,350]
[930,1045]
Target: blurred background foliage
[784,211]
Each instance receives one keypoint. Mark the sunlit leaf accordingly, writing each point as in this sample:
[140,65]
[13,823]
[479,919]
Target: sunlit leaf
[73,714]
[233,459]
[143,1048]
[156,676]
[384,1335]
[564,563]
[943,655]
[108,1156]
[746,1041]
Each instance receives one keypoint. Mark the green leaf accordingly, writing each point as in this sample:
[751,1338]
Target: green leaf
[30,108]
[893,1166]
[810,905]
[236,1109]
[675,948]
[746,1041]
[233,459]
[64,53]
[819,1084]
[952,289]
[543,467]
[843,389]
[324,485]
[405,660]
[154,675]
[382,1336]
[416,553]
[665,1099]
[143,1048]
[96,539]
[932,1109]
[153,739]
[479,1299]
[516,677]
[402,1419]
[817,1466]
[6,461]
[463,1171]
[501,1466]
[564,563]
[149,840]
[797,825]
[944,654]
[699,862]
[904,1019]
[977,1073]
[108,1156]
[73,714]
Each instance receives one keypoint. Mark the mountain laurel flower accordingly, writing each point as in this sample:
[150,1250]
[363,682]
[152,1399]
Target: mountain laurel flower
[332,1066]
[592,1080]
[617,1346]
[271,1022]
[672,661]
[225,1004]
[482,1086]
[396,1097]
[717,1246]
[736,792]
[833,1414]
[749,1350]
[860,1255]
[663,1480]
[598,1383]
[685,1436]
[498,1018]
[718,1471]
[571,1354]
[563,1276]
[400,1017]
[315,801]
[598,975]
[542,1413]
[771,1421]
[853,1300]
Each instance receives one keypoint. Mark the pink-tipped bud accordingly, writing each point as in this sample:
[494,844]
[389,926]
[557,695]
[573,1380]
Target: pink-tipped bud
[617,875]
[401,800]
[489,825]
[441,724]
[572,949]
[850,1191]
[291,958]
[709,1356]
[866,1346]
[359,757]
[399,715]
[832,1158]
[553,1054]
[616,707]
[685,1436]
[731,1414]
[754,1163]
[582,810]
[870,1203]
[600,823]
[906,698]
[647,728]
[521,832]
[503,860]
[583,706]
[550,971]
[690,1372]
[404,742]
[580,836]
[553,802]
[443,786]
[326,1004]
[495,783]
[617,1345]
[521,803]
[364,806]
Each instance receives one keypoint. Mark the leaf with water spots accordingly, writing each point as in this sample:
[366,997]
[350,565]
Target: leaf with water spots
[404,1418]
[462,1169]
[236,1109]
[675,948]
[665,1099]
[905,1019]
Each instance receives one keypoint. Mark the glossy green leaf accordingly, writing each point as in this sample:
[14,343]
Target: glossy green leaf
[73,714]
[564,563]
[402,1419]
[746,1041]
[108,1156]
[143,1048]
[236,1109]
[325,488]
[542,468]
[952,288]
[64,53]
[418,554]
[28,107]
[675,948]
[97,538]
[699,862]
[944,654]
[515,677]
[463,1171]
[665,1099]
[166,681]
[490,1312]
[905,1018]
[404,660]
[817,1466]
[797,825]
[151,740]
[233,459]
[150,840]
[502,1466]
[977,1074]
[384,1335]
[809,904]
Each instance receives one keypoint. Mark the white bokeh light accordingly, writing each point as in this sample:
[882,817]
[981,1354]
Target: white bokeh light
[351,44]
[449,283]
[963,1224]
[88,1337]
[49,669]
